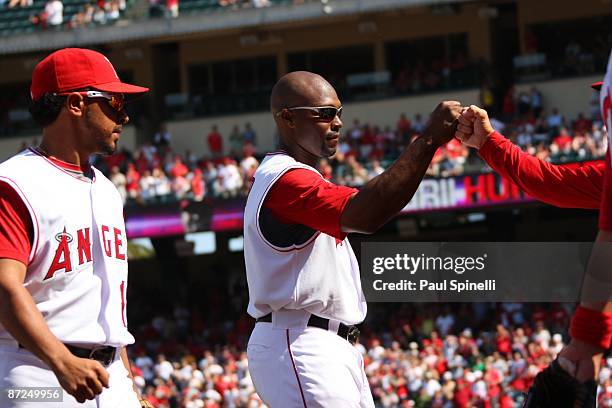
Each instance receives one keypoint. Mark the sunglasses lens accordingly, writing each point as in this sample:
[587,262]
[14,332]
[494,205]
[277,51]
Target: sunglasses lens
[327,113]
[117,102]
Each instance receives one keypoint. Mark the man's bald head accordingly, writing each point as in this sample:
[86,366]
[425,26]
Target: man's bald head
[300,88]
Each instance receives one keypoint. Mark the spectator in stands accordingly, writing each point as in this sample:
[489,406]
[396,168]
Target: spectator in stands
[486,97]
[120,182]
[249,135]
[582,124]
[403,127]
[52,16]
[418,124]
[20,3]
[180,186]
[83,18]
[355,134]
[146,185]
[198,185]
[161,185]
[178,168]
[508,107]
[132,182]
[524,103]
[155,8]
[226,3]
[555,120]
[172,8]
[236,142]
[563,140]
[99,15]
[162,138]
[536,101]
[260,3]
[215,142]
[113,12]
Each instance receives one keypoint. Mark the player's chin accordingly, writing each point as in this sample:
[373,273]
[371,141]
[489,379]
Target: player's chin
[329,152]
[107,149]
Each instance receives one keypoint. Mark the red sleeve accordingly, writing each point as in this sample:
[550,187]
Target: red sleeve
[15,226]
[302,196]
[605,211]
[571,186]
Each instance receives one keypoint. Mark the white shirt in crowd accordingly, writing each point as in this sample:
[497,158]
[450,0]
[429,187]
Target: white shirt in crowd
[55,12]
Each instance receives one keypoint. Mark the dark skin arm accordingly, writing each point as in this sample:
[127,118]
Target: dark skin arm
[385,195]
[82,378]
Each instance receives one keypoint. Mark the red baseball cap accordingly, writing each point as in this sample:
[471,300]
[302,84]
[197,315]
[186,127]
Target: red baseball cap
[72,69]
[597,85]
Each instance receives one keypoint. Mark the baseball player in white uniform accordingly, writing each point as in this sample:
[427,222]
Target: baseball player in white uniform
[63,248]
[303,278]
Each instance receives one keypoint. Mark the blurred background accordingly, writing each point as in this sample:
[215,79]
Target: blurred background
[186,160]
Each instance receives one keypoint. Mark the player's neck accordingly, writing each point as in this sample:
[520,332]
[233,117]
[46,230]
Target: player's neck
[63,150]
[299,153]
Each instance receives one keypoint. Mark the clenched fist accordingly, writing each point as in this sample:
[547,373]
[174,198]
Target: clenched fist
[474,127]
[442,122]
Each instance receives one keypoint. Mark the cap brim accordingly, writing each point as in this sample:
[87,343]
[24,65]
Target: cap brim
[120,87]
[597,86]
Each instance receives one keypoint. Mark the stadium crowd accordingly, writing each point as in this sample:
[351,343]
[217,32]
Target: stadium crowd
[416,355]
[155,173]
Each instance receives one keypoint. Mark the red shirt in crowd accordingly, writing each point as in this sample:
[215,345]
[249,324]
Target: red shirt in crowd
[563,140]
[215,142]
[179,169]
[582,125]
[303,197]
[574,185]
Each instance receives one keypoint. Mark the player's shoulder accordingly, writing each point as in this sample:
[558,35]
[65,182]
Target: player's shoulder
[280,162]
[100,178]
[19,161]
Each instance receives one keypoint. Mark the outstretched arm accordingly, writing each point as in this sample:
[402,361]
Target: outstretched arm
[385,195]
[568,186]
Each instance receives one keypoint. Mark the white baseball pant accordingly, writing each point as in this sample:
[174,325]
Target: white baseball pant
[307,368]
[20,368]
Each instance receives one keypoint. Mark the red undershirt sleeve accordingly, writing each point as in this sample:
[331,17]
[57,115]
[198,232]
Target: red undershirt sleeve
[605,211]
[303,197]
[570,186]
[15,226]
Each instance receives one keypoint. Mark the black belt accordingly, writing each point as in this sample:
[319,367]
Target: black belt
[104,354]
[348,333]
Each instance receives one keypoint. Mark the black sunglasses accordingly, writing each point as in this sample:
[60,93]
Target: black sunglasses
[327,113]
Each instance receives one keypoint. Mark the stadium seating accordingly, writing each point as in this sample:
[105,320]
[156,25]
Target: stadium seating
[16,20]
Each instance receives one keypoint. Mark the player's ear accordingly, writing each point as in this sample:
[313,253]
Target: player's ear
[75,104]
[287,117]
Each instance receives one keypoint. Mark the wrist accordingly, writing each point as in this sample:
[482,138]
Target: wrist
[429,141]
[57,362]
[485,139]
[592,327]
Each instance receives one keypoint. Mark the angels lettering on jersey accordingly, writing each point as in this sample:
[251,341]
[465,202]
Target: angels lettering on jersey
[74,248]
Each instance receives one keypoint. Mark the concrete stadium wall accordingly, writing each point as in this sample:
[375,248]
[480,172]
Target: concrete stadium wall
[10,146]
[191,134]
[570,96]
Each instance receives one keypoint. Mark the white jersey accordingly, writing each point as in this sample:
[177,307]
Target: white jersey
[77,272]
[605,102]
[293,266]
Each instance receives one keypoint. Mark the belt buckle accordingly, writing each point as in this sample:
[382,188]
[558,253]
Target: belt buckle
[104,358]
[353,334]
